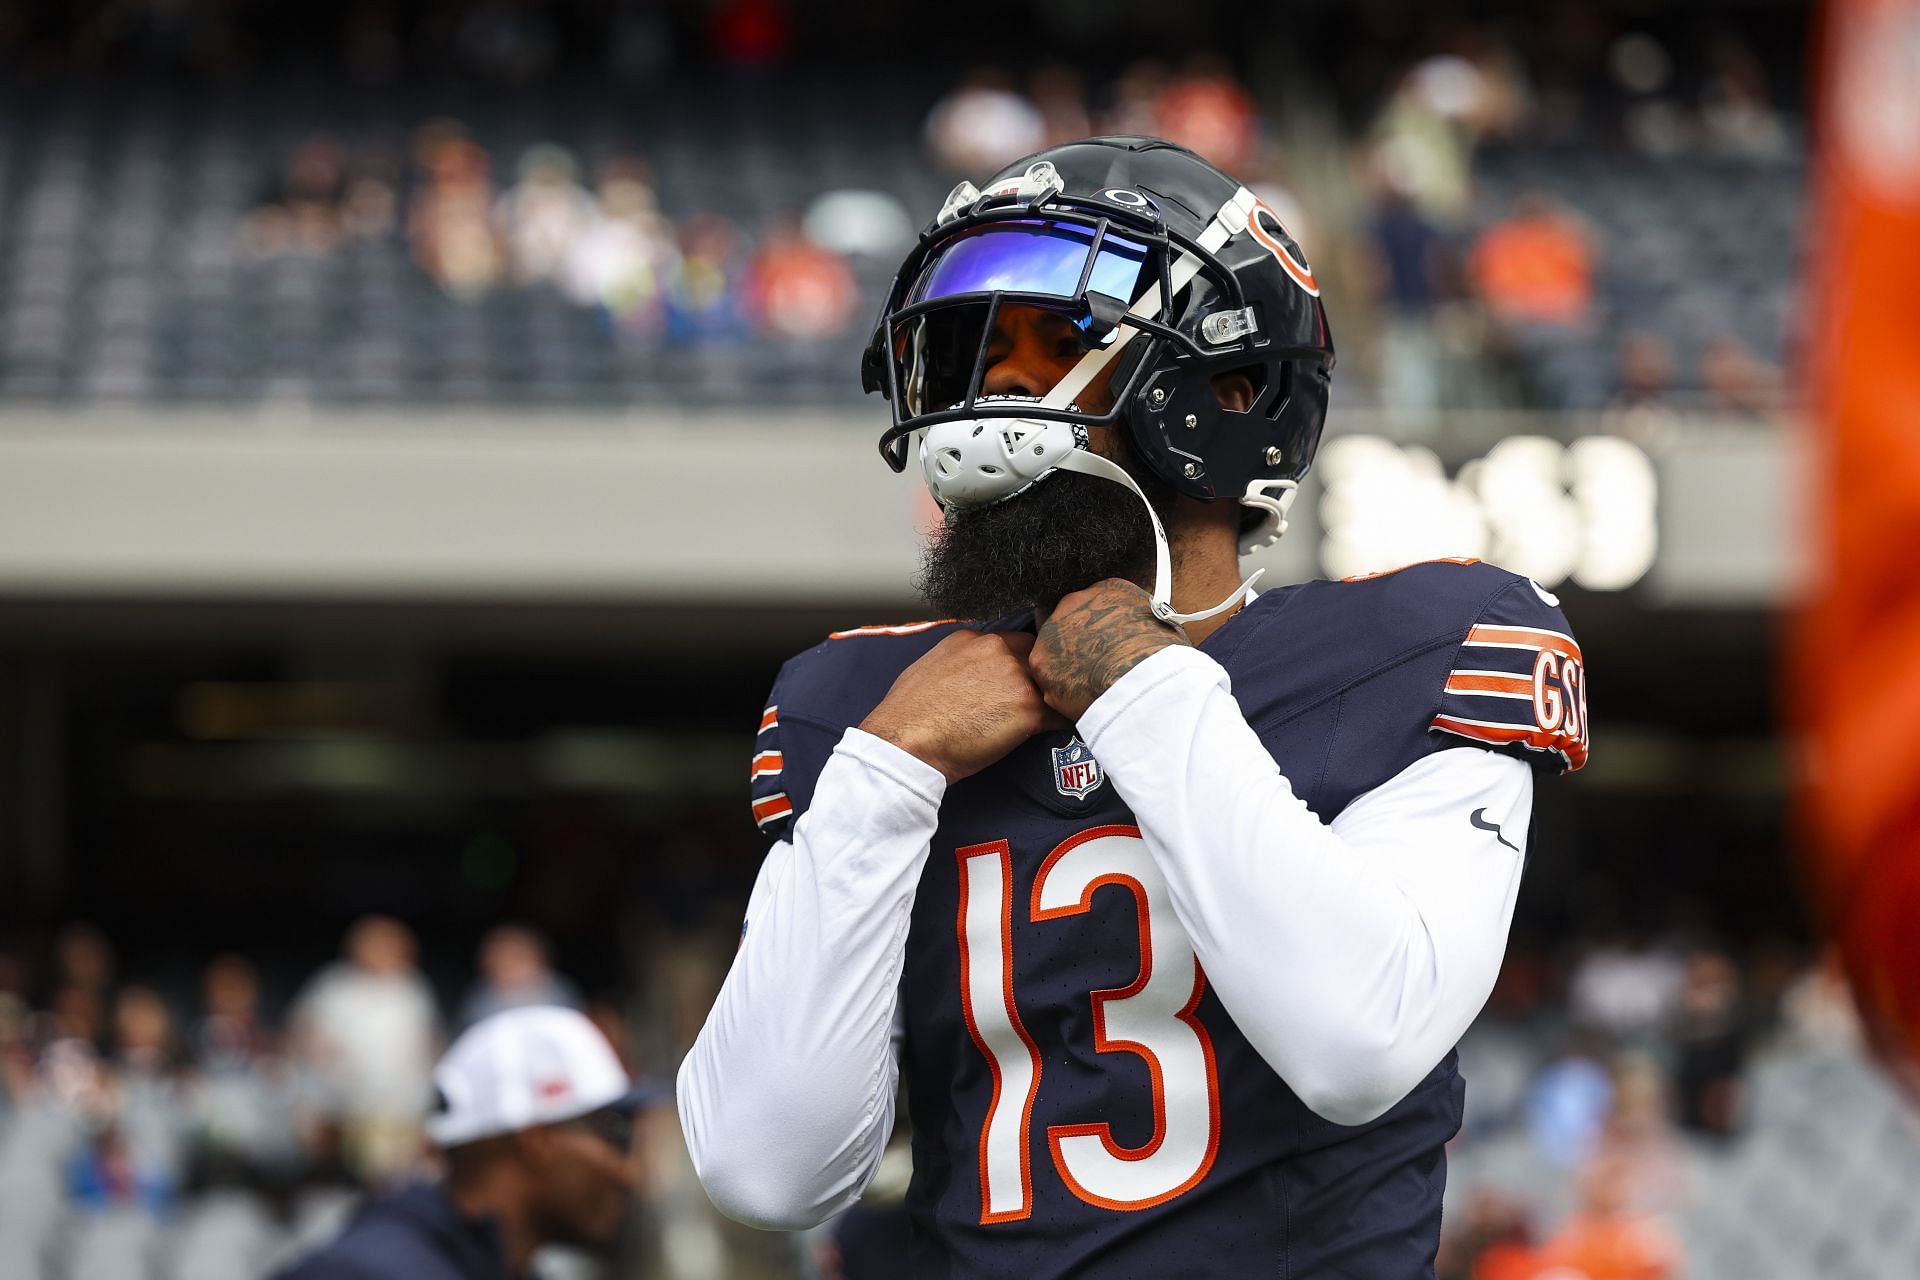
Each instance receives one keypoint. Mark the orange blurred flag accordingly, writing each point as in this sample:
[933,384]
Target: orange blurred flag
[1856,664]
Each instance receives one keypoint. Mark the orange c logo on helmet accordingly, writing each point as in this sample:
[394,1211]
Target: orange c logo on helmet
[1275,242]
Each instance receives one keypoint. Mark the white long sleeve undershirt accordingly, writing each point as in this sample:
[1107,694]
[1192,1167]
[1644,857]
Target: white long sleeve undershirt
[1351,956]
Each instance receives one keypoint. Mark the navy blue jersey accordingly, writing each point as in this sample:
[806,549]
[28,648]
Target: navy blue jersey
[1082,1103]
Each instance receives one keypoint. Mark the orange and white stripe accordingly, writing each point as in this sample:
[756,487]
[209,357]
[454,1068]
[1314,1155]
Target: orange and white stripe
[903,629]
[772,809]
[770,719]
[767,764]
[1567,746]
[1489,636]
[1491,684]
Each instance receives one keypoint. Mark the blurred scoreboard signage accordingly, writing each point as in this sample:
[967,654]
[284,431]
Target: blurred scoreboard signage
[1584,512]
[1707,514]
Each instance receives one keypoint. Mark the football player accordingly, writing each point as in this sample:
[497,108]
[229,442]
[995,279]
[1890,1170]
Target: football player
[1170,900]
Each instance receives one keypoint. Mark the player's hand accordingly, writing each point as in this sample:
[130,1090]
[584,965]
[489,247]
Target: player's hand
[967,702]
[1092,638]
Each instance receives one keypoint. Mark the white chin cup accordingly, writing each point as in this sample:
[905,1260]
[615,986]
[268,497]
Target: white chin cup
[975,461]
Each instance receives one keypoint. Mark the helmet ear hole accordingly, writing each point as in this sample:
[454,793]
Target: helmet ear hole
[1256,378]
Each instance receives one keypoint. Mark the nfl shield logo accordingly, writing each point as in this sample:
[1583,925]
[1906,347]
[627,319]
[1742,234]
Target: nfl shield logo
[1075,771]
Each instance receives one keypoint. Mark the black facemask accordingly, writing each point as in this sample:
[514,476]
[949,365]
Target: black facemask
[1066,532]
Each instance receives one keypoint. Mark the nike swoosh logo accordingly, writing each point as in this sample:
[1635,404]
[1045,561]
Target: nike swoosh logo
[1479,819]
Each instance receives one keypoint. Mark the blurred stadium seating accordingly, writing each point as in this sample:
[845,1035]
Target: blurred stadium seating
[1698,251]
[196,243]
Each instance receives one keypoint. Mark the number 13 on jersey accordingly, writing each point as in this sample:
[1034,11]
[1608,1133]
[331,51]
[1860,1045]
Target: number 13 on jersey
[1152,1017]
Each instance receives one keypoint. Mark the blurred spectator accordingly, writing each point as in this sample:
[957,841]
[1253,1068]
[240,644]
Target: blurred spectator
[77,1014]
[1736,109]
[1568,1104]
[1535,266]
[370,209]
[625,259]
[869,224]
[1711,1037]
[1624,986]
[515,971]
[536,1120]
[1428,129]
[703,303]
[83,959]
[1494,1232]
[1642,71]
[245,1103]
[1736,380]
[543,214]
[1205,109]
[1641,406]
[1817,1012]
[796,289]
[450,222]
[1607,1239]
[983,125]
[1403,269]
[230,1036]
[1060,96]
[367,1027]
[302,211]
[138,1153]
[16,1048]
[1640,1137]
[1136,98]
[1645,371]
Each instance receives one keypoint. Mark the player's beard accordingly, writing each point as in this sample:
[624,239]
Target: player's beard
[1066,532]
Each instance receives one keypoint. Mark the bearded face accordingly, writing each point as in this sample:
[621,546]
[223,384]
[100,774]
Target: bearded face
[1065,532]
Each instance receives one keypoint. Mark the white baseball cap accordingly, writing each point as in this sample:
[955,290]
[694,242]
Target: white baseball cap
[535,1065]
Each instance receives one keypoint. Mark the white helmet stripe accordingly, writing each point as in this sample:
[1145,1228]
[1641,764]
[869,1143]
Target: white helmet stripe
[1230,221]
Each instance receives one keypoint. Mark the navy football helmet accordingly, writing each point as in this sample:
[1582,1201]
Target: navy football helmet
[1170,271]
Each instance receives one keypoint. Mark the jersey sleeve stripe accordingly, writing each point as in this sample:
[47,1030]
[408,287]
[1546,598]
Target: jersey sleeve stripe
[1498,683]
[1569,749]
[767,765]
[1487,635]
[773,808]
[903,629]
[769,719]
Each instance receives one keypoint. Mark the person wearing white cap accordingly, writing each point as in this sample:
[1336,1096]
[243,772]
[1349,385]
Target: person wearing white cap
[534,1115]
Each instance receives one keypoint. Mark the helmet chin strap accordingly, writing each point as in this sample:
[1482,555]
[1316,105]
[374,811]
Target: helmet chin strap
[1227,223]
[1089,463]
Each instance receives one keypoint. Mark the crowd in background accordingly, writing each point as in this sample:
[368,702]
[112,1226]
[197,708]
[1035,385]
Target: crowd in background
[1449,291]
[1597,1088]
[1461,294]
[123,1104]
[607,247]
[1452,299]
[1602,1066]
[178,1094]
[475,223]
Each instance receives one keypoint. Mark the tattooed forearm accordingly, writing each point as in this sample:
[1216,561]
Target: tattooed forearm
[1092,639]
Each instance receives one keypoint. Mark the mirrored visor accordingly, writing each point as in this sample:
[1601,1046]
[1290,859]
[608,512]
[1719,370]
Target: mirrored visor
[1032,256]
